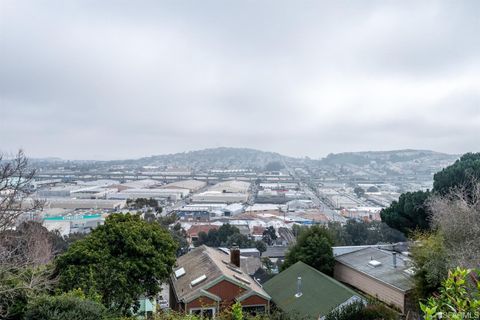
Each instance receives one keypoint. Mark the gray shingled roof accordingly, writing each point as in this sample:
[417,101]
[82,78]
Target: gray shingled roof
[275,252]
[396,277]
[214,264]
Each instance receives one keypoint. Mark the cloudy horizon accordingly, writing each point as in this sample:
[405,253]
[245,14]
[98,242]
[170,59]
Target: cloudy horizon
[128,79]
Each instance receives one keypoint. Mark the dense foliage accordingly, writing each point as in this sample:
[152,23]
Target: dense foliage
[464,172]
[227,236]
[25,254]
[453,242]
[359,191]
[142,203]
[313,247]
[121,260]
[269,235]
[274,166]
[430,261]
[409,213]
[67,306]
[459,297]
[357,233]
[358,310]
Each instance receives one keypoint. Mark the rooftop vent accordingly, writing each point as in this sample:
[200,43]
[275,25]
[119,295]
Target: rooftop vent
[241,279]
[299,288]
[198,280]
[374,263]
[180,272]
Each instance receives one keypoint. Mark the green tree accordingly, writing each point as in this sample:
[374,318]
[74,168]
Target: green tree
[297,229]
[274,166]
[339,234]
[363,233]
[226,235]
[269,235]
[464,172]
[357,231]
[226,231]
[261,246]
[180,236]
[409,213]
[167,220]
[268,264]
[237,312]
[359,191]
[430,261]
[121,260]
[313,247]
[142,203]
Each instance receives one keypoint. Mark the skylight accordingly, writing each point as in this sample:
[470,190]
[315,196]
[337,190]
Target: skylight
[198,280]
[180,272]
[410,271]
[374,263]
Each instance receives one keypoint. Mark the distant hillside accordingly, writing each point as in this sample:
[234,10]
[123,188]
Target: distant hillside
[379,157]
[218,158]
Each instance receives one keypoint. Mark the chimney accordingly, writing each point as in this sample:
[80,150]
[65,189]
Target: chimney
[394,256]
[235,256]
[299,288]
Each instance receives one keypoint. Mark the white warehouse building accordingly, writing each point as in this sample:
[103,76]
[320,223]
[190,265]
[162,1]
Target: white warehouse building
[219,197]
[172,194]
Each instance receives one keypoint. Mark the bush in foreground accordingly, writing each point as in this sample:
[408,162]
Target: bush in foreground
[67,306]
[359,311]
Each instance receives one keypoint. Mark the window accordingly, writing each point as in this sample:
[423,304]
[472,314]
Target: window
[254,310]
[203,312]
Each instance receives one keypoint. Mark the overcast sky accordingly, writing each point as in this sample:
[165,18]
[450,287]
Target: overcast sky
[125,79]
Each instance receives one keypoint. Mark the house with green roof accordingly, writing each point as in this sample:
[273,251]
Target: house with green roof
[307,292]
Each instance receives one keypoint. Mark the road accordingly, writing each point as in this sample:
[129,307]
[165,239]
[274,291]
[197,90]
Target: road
[311,192]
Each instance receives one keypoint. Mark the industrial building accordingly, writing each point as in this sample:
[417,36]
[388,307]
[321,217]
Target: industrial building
[192,185]
[219,197]
[171,194]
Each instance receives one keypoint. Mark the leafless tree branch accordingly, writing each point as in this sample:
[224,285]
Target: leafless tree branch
[26,248]
[16,178]
[457,216]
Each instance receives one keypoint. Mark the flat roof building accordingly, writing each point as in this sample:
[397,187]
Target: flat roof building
[386,275]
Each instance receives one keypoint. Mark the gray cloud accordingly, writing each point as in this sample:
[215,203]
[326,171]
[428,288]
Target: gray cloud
[121,79]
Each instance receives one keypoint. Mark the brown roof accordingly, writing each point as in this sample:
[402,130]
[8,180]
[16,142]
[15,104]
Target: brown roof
[258,230]
[213,265]
[197,228]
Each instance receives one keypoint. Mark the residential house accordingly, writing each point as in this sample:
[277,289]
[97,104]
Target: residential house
[192,233]
[206,281]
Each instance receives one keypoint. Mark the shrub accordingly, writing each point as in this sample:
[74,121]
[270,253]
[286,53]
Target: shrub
[359,311]
[67,306]
[459,297]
